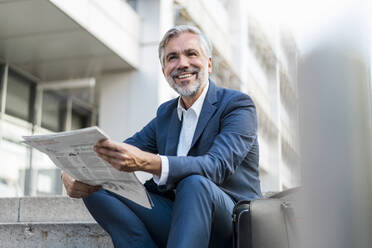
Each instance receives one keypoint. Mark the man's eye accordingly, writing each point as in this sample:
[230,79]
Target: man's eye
[192,54]
[171,58]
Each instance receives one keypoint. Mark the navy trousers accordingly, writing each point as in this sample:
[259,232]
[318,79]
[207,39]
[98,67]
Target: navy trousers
[200,216]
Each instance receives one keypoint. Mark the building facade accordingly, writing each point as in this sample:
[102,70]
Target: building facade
[68,64]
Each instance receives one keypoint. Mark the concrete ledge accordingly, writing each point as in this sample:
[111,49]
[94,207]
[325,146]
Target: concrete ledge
[49,222]
[53,209]
[43,209]
[9,209]
[53,235]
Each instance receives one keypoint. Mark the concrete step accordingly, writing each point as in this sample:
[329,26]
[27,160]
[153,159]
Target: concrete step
[56,235]
[49,222]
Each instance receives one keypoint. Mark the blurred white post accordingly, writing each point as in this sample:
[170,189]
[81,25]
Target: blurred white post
[128,100]
[335,121]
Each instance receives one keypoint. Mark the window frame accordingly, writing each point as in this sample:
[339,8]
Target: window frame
[31,85]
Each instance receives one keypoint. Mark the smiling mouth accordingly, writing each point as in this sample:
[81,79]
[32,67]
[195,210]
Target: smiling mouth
[185,76]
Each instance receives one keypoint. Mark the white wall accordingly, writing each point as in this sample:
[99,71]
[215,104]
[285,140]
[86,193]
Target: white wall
[113,22]
[129,100]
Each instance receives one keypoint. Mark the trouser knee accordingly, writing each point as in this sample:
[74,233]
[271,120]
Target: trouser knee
[194,184]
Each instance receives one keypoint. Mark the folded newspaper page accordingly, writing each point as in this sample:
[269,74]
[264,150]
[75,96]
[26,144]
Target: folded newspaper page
[72,151]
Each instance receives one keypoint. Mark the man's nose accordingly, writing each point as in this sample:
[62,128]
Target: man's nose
[183,62]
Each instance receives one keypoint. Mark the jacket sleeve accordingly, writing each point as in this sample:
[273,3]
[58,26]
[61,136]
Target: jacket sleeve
[146,138]
[238,132]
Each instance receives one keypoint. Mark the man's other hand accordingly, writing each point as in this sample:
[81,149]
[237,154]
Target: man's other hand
[125,157]
[77,189]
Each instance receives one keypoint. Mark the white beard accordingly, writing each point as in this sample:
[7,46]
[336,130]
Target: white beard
[193,89]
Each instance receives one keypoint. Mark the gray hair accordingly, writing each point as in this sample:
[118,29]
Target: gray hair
[205,43]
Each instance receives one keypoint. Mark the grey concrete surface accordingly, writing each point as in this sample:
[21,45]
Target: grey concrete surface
[59,235]
[9,208]
[53,209]
[49,222]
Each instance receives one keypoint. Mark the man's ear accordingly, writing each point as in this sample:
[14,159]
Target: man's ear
[209,65]
[162,69]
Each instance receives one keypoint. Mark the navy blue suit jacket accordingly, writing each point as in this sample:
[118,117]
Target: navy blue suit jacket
[224,148]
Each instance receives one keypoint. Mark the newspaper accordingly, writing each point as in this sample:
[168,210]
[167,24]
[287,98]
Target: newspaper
[72,151]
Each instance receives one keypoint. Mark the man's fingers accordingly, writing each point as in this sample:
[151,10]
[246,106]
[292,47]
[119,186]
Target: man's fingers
[119,155]
[102,140]
[89,190]
[120,164]
[83,187]
[112,160]
[84,192]
[77,189]
[112,145]
[77,194]
[120,159]
[110,153]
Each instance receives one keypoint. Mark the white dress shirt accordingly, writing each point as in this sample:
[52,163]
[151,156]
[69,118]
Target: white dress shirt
[189,120]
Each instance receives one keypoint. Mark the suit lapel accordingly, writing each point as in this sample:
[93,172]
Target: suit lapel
[173,134]
[206,113]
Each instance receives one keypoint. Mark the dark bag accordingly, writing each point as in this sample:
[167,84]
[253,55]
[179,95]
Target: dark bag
[266,223]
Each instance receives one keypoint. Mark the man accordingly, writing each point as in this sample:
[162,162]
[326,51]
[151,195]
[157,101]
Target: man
[201,148]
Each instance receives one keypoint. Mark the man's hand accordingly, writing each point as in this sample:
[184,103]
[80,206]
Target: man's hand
[76,189]
[125,157]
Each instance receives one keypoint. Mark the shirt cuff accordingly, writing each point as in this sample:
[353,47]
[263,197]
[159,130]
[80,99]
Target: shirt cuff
[164,171]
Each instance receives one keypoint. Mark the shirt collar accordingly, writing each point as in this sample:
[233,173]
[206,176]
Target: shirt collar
[196,107]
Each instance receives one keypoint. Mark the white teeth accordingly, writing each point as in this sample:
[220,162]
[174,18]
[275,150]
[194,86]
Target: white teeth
[184,76]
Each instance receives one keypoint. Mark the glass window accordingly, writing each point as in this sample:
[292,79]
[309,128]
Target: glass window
[49,181]
[19,98]
[16,157]
[1,83]
[53,111]
[133,4]
[79,118]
